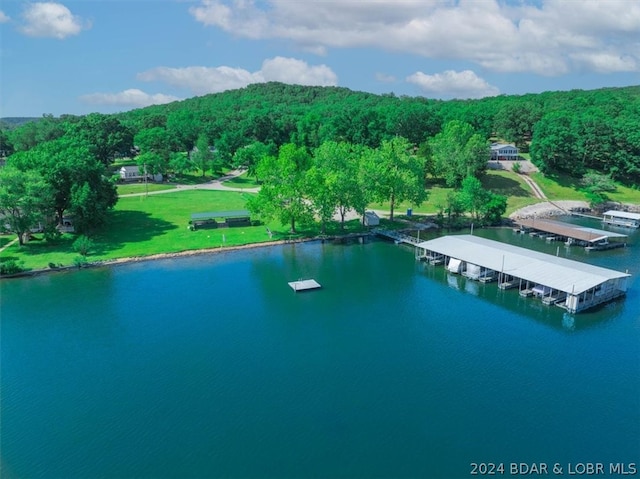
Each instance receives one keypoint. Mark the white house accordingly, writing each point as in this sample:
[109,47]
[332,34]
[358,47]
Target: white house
[132,173]
[503,151]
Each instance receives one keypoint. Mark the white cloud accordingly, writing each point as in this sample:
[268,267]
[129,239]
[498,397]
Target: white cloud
[605,62]
[52,20]
[298,72]
[3,17]
[548,37]
[130,98]
[452,84]
[201,80]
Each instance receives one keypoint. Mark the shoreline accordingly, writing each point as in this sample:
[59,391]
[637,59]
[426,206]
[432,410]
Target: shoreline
[161,256]
[541,209]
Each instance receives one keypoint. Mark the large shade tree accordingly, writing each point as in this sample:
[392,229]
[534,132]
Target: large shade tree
[554,144]
[106,136]
[282,194]
[457,152]
[395,174]
[24,200]
[67,166]
[332,182]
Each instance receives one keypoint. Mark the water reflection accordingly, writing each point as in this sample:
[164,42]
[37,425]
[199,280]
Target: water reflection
[510,300]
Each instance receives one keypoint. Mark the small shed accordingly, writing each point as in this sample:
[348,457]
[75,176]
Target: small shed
[371,218]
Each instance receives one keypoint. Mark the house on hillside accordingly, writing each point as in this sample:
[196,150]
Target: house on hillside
[132,173]
[503,151]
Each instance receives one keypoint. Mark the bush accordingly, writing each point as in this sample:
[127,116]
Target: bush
[82,245]
[10,267]
[52,234]
[80,261]
[516,167]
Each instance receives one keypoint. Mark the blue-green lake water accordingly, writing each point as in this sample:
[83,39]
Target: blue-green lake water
[211,366]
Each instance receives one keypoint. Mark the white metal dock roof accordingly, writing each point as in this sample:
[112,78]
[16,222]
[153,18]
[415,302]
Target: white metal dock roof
[623,214]
[558,273]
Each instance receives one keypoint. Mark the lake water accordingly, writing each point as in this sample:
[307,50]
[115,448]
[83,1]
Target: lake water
[211,366]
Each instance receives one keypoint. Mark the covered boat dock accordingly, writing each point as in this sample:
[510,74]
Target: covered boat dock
[572,285]
[591,238]
[220,219]
[621,218]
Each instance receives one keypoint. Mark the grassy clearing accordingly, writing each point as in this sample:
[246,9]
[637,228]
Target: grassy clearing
[141,226]
[512,186]
[500,182]
[6,239]
[559,187]
[133,188]
[563,187]
[146,225]
[624,194]
[242,181]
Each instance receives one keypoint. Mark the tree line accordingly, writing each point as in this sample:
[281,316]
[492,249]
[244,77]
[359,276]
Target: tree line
[299,186]
[576,133]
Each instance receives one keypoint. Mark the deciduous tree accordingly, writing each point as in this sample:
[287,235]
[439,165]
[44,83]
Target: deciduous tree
[396,174]
[24,200]
[282,194]
[458,152]
[332,181]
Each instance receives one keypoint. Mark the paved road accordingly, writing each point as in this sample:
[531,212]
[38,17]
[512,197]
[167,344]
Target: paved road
[216,184]
[15,240]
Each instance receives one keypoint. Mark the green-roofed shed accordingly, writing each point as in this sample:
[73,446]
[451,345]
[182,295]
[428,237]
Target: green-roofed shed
[220,219]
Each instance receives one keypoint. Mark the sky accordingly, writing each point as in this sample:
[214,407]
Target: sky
[83,56]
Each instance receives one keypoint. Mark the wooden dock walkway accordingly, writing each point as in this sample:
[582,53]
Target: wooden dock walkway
[396,236]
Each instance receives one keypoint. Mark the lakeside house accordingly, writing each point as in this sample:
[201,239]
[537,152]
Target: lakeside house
[503,151]
[132,173]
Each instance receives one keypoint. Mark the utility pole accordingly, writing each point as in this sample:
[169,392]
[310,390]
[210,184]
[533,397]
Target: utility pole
[146,185]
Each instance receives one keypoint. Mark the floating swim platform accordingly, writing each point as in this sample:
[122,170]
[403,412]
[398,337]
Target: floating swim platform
[304,285]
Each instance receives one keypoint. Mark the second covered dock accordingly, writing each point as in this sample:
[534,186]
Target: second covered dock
[591,238]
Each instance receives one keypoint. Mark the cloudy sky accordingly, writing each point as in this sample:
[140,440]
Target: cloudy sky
[114,55]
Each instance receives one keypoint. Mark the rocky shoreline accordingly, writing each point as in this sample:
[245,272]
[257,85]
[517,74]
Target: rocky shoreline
[549,209]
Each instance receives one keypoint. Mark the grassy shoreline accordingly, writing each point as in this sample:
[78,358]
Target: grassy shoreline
[157,225]
[156,256]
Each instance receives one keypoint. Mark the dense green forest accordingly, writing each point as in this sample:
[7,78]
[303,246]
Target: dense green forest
[585,134]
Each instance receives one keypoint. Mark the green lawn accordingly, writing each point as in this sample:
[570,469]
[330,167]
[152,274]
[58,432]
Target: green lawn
[131,188]
[559,187]
[242,181]
[146,225]
[624,194]
[512,186]
[563,187]
[498,181]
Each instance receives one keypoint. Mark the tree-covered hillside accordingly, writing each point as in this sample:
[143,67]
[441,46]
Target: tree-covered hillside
[593,136]
[571,131]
